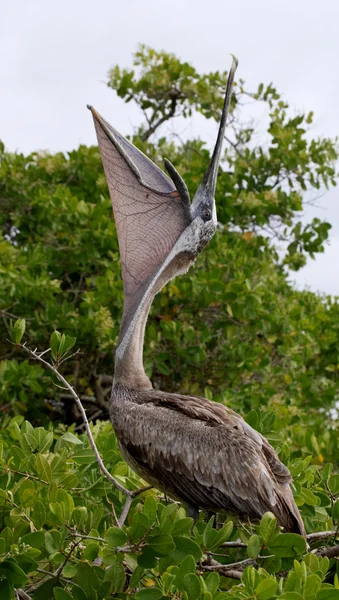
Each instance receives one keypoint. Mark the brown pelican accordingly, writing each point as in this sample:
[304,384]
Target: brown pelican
[195,450]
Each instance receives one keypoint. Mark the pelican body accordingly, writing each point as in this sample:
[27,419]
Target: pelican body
[194,449]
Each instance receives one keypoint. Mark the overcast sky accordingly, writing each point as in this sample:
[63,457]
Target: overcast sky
[55,56]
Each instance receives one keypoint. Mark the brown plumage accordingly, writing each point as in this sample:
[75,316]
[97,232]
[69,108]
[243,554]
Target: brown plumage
[196,450]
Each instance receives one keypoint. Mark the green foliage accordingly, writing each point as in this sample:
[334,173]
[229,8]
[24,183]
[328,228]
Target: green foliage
[59,534]
[17,330]
[234,330]
[60,345]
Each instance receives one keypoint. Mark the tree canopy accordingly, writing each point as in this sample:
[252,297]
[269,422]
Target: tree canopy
[233,329]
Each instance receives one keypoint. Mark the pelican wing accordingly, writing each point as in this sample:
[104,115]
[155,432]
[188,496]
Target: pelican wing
[149,212]
[206,455]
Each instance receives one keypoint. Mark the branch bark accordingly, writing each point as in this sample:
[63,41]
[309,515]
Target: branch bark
[322,535]
[147,134]
[331,552]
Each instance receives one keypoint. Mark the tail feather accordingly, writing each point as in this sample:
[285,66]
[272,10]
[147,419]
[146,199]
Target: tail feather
[287,512]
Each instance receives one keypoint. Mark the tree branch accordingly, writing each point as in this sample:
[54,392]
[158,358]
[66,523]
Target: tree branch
[331,552]
[27,475]
[223,570]
[147,134]
[322,535]
[235,544]
[216,566]
[22,595]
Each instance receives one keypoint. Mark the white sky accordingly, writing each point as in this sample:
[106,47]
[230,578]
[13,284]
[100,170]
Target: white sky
[55,56]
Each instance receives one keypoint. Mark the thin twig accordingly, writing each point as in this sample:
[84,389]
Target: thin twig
[69,356]
[321,535]
[27,475]
[141,490]
[51,575]
[125,510]
[241,564]
[64,381]
[235,544]
[44,352]
[124,549]
[57,572]
[87,537]
[231,573]
[22,595]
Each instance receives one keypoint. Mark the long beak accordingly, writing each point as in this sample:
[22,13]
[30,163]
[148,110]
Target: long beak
[207,186]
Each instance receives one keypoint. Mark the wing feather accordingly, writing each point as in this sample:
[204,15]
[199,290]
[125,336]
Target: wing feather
[207,460]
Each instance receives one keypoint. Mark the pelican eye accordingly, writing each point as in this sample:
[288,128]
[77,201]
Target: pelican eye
[206,215]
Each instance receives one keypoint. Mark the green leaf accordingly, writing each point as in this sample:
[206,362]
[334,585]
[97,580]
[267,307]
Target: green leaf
[268,527]
[333,484]
[250,578]
[7,535]
[43,468]
[162,544]
[78,593]
[45,590]
[328,594]
[254,546]
[187,565]
[209,533]
[266,589]
[309,498]
[36,539]
[88,580]
[140,524]
[136,576]
[212,582]
[6,589]
[291,596]
[38,514]
[326,471]
[185,546]
[9,570]
[71,438]
[147,559]
[148,594]
[116,575]
[17,330]
[84,457]
[288,545]
[192,586]
[150,509]
[182,526]
[52,541]
[54,343]
[312,585]
[222,536]
[27,493]
[91,551]
[69,571]
[79,516]
[61,594]
[115,536]
[69,342]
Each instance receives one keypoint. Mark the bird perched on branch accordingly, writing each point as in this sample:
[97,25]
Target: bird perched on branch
[195,450]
